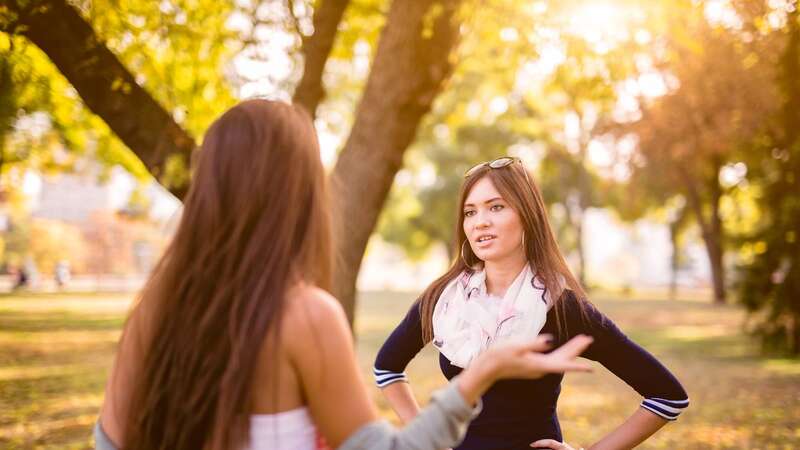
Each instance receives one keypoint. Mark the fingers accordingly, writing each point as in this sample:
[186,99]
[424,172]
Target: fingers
[563,359]
[554,364]
[541,343]
[574,347]
[575,366]
[552,444]
[548,443]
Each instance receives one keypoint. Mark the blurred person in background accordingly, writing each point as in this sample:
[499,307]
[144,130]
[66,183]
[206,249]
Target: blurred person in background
[61,274]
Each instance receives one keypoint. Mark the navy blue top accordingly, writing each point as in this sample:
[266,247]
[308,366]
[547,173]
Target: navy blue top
[518,412]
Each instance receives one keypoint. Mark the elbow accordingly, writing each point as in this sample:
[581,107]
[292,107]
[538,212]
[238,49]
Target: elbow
[386,370]
[667,409]
[384,378]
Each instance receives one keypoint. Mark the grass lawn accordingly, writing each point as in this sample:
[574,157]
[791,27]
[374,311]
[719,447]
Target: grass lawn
[55,352]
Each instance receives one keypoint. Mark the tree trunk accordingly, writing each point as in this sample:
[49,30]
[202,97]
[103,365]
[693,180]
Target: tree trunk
[714,250]
[413,59]
[581,250]
[573,207]
[316,49]
[584,188]
[8,105]
[674,261]
[716,236]
[106,87]
[710,230]
[790,68]
[676,228]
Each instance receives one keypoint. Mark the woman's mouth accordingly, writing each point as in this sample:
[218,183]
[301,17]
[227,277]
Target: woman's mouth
[485,240]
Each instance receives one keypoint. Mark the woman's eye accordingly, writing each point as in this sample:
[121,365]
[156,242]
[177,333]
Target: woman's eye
[496,207]
[469,213]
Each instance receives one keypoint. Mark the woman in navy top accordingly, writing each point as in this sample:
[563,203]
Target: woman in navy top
[501,288]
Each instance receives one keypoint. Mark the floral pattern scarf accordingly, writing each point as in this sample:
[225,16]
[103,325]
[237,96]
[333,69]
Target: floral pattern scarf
[467,320]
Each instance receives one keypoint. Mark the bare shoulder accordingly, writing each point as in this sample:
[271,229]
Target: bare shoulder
[308,303]
[310,312]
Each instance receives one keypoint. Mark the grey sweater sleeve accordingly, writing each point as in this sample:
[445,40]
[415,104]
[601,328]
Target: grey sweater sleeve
[101,439]
[441,424]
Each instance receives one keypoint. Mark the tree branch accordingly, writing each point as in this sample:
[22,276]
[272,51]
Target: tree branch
[295,20]
[316,49]
[108,89]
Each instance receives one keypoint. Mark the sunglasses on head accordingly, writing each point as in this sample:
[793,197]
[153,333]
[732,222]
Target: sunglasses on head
[498,163]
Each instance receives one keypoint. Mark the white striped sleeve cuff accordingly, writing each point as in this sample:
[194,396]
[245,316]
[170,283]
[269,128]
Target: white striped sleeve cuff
[666,409]
[384,378]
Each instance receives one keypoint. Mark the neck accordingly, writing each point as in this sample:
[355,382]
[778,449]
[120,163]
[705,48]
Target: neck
[500,275]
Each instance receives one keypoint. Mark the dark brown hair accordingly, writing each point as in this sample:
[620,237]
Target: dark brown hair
[255,221]
[516,186]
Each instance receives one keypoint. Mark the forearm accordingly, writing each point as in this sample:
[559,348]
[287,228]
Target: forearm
[441,424]
[471,384]
[402,401]
[477,379]
[639,426]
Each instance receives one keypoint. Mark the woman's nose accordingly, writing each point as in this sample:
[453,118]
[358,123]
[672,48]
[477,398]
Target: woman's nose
[483,221]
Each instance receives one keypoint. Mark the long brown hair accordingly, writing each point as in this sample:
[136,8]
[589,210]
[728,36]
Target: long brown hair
[517,187]
[255,221]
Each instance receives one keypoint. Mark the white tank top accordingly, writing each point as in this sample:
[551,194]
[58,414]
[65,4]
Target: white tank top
[289,430]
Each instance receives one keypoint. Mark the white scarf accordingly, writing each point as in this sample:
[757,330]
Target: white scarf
[467,321]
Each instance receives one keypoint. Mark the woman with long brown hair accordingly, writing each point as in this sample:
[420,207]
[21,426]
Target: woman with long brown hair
[510,281]
[234,343]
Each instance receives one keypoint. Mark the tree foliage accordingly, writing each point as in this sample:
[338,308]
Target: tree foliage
[770,274]
[722,91]
[177,51]
[395,97]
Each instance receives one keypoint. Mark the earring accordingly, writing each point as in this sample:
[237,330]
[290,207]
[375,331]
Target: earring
[525,250]
[462,254]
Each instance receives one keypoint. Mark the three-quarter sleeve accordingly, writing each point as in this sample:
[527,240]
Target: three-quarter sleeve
[399,349]
[662,392]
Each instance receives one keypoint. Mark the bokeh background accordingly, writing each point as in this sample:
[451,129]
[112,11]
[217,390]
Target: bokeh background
[665,135]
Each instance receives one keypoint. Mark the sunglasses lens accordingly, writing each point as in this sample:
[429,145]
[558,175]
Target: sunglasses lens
[494,164]
[501,162]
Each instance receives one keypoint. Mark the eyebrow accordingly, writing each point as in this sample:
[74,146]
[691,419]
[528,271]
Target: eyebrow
[487,201]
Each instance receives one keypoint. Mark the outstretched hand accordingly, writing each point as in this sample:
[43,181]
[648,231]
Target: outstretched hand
[526,360]
[521,360]
[551,444]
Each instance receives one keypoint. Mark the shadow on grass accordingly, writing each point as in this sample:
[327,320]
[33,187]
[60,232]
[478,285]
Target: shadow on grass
[25,321]
[25,393]
[27,361]
[717,349]
[32,295]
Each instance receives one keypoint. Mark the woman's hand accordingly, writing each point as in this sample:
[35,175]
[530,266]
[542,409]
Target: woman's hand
[551,444]
[525,360]
[521,360]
